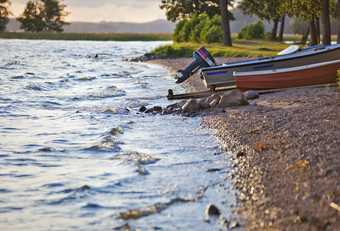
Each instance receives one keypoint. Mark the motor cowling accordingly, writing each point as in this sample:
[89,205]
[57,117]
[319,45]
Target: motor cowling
[202,59]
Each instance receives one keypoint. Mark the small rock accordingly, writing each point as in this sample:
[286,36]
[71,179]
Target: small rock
[214,103]
[157,108]
[234,225]
[233,98]
[251,94]
[150,110]
[203,104]
[142,109]
[85,187]
[214,97]
[212,210]
[253,103]
[240,154]
[190,106]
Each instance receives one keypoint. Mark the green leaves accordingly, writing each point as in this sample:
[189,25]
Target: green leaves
[200,29]
[4,13]
[43,15]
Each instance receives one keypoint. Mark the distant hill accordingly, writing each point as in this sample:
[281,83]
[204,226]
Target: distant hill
[158,26]
[243,20]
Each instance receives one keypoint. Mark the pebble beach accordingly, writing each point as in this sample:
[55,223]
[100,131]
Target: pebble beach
[286,148]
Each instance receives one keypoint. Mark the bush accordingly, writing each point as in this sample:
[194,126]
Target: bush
[213,35]
[202,20]
[254,30]
[338,79]
[200,28]
[176,37]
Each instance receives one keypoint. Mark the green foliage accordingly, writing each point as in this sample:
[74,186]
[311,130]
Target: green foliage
[241,48]
[4,13]
[180,9]
[43,15]
[170,51]
[200,22]
[338,79]
[254,30]
[200,28]
[177,36]
[213,35]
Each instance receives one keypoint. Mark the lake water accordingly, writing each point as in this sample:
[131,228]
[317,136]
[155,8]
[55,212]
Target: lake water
[76,155]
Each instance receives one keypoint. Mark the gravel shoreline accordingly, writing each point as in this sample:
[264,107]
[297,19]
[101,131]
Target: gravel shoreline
[287,149]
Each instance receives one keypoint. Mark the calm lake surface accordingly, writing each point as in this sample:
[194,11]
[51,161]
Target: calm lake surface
[76,155]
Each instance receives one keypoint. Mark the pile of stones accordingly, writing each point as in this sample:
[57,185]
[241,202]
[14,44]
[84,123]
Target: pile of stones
[192,106]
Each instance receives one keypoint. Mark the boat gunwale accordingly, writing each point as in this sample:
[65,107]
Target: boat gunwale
[285,70]
[273,59]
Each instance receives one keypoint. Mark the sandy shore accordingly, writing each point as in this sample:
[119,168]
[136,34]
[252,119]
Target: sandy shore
[286,150]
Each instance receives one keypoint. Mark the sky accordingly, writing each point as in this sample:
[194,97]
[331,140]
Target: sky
[105,10]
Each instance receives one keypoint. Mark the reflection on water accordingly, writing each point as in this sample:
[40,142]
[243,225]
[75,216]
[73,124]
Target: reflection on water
[76,155]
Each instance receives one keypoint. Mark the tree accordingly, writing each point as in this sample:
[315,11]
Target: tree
[44,15]
[32,17]
[326,25]
[338,11]
[4,13]
[271,10]
[225,23]
[179,9]
[54,14]
[309,11]
[184,9]
[335,13]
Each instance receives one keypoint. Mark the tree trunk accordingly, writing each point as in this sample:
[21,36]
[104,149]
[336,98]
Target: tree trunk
[326,25]
[313,32]
[225,23]
[317,27]
[282,28]
[273,36]
[338,40]
[305,36]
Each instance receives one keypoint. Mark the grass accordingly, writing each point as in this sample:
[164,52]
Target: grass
[88,36]
[240,48]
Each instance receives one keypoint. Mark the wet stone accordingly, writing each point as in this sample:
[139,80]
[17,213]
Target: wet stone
[212,210]
[142,109]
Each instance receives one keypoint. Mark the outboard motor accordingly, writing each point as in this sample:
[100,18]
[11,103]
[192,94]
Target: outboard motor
[202,59]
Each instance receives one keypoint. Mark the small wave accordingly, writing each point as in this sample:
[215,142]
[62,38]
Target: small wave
[109,92]
[137,157]
[18,77]
[86,78]
[108,143]
[156,208]
[34,87]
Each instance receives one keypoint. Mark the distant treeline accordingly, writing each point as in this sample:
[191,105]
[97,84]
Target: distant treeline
[89,36]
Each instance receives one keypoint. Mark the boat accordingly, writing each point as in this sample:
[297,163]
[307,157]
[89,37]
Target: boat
[311,74]
[222,75]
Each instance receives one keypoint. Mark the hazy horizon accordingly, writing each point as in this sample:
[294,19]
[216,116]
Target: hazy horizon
[104,10]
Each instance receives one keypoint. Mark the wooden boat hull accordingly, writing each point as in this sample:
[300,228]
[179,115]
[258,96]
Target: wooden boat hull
[223,75]
[319,73]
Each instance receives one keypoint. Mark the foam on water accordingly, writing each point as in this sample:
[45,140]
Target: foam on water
[76,155]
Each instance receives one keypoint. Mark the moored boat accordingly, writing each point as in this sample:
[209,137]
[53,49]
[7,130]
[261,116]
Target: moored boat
[219,76]
[318,73]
